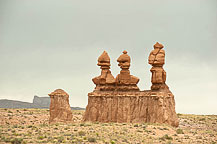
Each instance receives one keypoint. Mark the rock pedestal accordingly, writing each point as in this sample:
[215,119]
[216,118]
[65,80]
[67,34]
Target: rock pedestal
[60,110]
[131,107]
[122,101]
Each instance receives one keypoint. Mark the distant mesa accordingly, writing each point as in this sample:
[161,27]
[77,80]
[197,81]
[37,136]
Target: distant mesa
[38,102]
[42,102]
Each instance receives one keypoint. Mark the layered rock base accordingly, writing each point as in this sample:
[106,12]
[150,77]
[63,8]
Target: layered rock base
[131,107]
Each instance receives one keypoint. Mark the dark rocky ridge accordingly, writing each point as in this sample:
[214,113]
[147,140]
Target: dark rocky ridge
[38,102]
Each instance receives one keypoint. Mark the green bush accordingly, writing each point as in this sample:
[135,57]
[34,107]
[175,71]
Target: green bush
[179,131]
[40,137]
[17,141]
[91,139]
[112,142]
[81,133]
[166,137]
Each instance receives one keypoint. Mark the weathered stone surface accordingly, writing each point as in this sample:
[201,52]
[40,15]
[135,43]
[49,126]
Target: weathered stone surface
[105,81]
[125,103]
[125,81]
[157,60]
[143,106]
[60,110]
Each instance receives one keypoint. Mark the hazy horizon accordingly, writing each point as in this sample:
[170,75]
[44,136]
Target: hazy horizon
[51,44]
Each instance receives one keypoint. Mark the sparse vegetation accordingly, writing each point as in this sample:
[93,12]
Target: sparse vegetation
[166,137]
[20,126]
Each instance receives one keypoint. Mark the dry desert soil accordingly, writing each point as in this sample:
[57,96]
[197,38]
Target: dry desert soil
[24,126]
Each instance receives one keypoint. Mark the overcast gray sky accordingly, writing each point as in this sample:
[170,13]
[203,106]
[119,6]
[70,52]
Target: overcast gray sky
[50,44]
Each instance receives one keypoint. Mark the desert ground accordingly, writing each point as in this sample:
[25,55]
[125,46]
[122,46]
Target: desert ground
[24,126]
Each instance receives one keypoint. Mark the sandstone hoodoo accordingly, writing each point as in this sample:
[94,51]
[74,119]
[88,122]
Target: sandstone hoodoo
[60,110]
[105,81]
[157,60]
[125,81]
[120,100]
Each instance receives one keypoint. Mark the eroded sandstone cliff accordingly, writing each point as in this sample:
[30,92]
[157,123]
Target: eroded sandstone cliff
[144,106]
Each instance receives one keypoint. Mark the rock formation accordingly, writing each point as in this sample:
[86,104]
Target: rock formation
[60,110]
[41,102]
[157,60]
[135,107]
[105,81]
[126,103]
[125,81]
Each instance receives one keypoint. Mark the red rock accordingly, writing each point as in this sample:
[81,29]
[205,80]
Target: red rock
[157,60]
[125,103]
[131,107]
[125,81]
[60,110]
[105,81]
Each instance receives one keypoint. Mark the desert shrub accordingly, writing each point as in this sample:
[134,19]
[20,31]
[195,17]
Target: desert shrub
[81,133]
[40,137]
[112,142]
[139,131]
[43,125]
[166,137]
[30,126]
[17,141]
[136,125]
[82,124]
[179,131]
[60,139]
[178,114]
[7,140]
[10,111]
[202,119]
[91,139]
[165,128]
[15,126]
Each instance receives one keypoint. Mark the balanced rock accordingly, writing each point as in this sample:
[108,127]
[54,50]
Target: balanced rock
[105,81]
[60,110]
[125,81]
[157,60]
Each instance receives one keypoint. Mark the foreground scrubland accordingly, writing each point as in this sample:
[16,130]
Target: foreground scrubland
[31,126]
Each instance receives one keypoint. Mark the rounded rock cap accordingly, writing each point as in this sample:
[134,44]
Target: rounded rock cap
[124,57]
[58,92]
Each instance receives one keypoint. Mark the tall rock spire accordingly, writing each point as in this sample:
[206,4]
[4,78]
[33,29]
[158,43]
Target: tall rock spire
[157,60]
